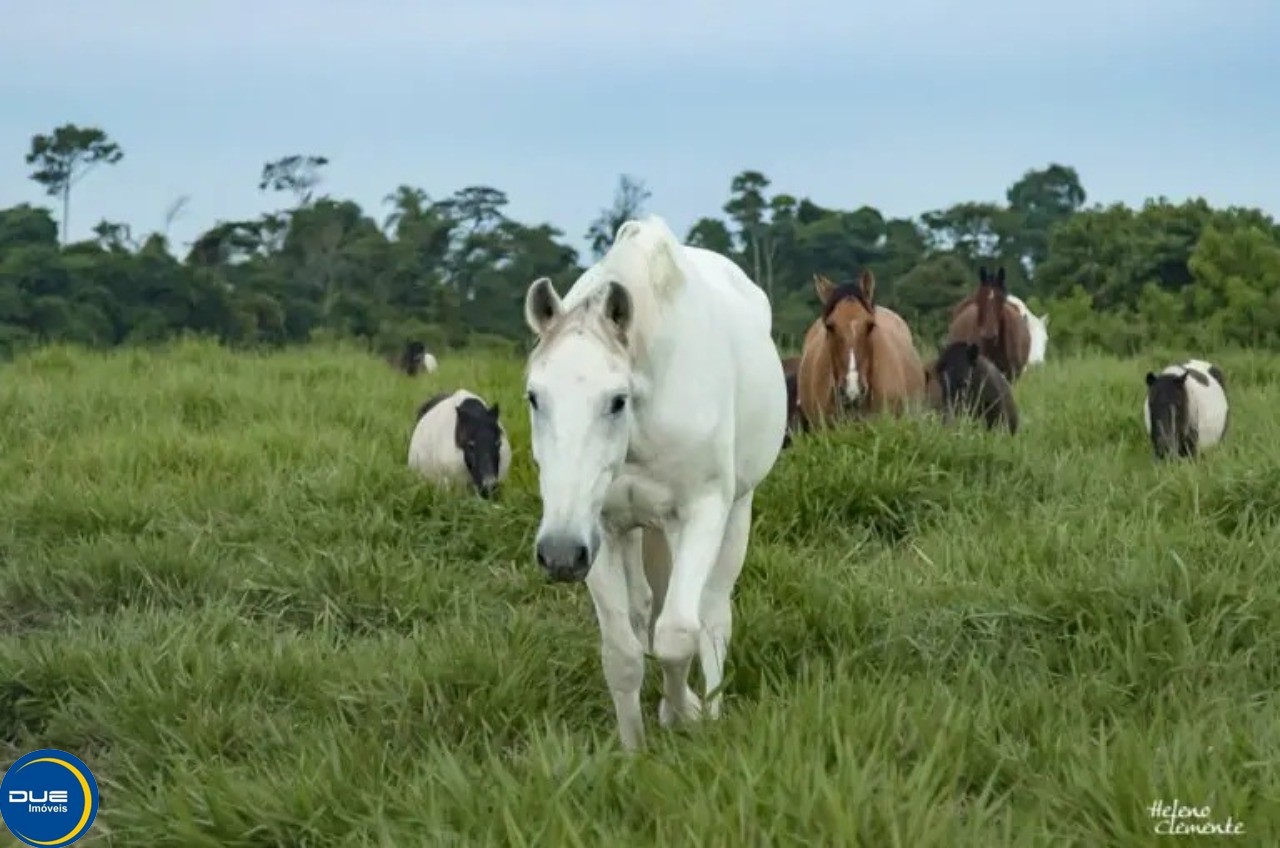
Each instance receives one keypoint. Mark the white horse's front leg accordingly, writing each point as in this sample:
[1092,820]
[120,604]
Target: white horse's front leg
[676,632]
[621,653]
[639,593]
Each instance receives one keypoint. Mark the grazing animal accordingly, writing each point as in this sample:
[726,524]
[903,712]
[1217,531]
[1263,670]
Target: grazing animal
[1037,328]
[961,381]
[859,358]
[414,358]
[458,440]
[795,421]
[651,435]
[1186,408]
[989,319]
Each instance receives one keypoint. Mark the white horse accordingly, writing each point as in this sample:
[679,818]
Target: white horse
[1037,327]
[657,405]
[1188,405]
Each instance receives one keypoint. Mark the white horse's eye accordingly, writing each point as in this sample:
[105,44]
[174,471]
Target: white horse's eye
[533,400]
[618,403]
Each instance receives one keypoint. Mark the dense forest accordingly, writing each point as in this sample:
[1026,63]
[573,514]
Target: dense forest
[452,271]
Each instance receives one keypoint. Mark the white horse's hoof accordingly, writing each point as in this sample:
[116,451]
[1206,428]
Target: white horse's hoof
[668,717]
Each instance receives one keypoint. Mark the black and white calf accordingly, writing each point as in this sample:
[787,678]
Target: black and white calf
[1186,408]
[458,440]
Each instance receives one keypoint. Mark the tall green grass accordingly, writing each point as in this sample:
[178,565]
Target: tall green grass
[224,591]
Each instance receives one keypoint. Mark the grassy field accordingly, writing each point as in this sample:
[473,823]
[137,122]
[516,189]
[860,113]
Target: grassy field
[223,590]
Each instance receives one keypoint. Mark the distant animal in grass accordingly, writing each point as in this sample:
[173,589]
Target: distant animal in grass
[795,421]
[414,359]
[459,439]
[1037,326]
[963,382]
[1186,409]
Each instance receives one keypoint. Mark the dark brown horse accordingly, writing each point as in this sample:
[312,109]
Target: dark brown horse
[990,321]
[795,421]
[961,381]
[859,358]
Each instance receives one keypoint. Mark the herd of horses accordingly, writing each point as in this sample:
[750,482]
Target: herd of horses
[859,358]
[651,433]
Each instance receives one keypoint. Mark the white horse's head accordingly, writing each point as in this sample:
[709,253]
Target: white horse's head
[579,389]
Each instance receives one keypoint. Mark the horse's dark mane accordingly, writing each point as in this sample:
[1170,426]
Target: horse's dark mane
[846,291]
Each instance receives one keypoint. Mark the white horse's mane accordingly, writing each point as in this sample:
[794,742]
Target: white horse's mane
[645,259]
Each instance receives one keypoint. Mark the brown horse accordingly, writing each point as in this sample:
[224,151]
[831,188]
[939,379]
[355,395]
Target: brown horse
[987,319]
[859,359]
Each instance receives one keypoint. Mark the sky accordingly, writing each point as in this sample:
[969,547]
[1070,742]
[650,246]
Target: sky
[907,105]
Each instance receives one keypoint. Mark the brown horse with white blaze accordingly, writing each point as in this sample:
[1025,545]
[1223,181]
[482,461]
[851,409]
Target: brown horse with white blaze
[859,359]
[987,318]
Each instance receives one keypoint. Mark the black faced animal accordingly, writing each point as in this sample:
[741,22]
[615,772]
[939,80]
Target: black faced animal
[414,359]
[459,440]
[963,382]
[1186,408]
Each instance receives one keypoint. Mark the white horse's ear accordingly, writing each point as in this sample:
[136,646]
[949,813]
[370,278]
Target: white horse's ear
[1045,320]
[541,305]
[618,307]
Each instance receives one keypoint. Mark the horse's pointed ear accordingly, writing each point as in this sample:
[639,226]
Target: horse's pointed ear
[868,284]
[982,274]
[618,307]
[493,411]
[823,287]
[541,305]
[1045,320]
[1151,377]
[971,351]
[1000,279]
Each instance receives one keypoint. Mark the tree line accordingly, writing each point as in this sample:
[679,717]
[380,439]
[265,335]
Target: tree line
[452,271]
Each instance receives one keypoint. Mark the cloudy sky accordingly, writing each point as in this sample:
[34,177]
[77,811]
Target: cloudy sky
[906,105]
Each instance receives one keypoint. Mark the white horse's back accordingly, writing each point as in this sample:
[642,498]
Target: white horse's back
[760,396]
[722,323]
[1036,327]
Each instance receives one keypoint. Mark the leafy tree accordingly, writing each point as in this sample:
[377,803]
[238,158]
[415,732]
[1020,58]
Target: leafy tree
[452,271]
[408,204]
[1041,199]
[64,157]
[296,174]
[712,234]
[747,207]
[628,203]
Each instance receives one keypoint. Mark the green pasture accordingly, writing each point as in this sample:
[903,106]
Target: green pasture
[222,589]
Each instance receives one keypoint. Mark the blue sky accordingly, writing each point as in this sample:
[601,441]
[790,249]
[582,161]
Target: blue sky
[907,105]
